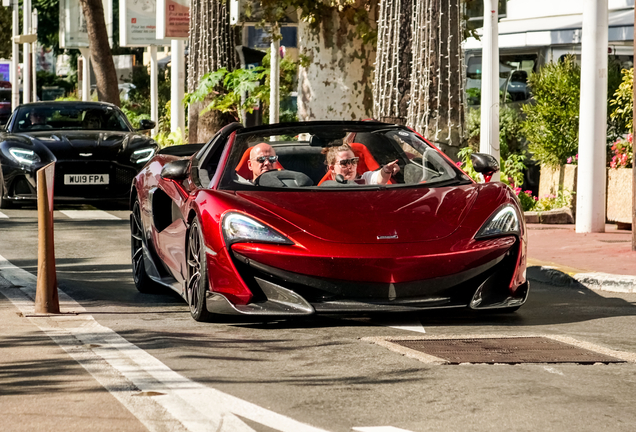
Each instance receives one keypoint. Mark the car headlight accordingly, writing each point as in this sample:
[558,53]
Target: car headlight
[504,222]
[143,155]
[24,156]
[240,228]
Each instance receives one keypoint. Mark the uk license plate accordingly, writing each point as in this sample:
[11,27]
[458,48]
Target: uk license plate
[85,179]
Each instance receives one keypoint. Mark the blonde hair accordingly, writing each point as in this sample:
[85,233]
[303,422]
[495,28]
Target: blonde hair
[331,153]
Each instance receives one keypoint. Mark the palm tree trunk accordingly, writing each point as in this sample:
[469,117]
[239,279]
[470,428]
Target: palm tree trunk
[101,56]
[212,47]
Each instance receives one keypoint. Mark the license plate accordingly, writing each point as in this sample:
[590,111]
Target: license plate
[85,179]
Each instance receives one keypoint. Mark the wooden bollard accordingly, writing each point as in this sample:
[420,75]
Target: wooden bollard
[46,299]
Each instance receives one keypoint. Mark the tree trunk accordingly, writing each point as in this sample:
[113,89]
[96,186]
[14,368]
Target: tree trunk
[101,56]
[211,48]
[337,84]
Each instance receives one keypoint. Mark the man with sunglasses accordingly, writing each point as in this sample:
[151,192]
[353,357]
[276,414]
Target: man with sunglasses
[342,160]
[262,159]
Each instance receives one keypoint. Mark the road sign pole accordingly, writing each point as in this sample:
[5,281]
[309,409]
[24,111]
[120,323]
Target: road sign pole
[26,52]
[154,87]
[86,73]
[177,83]
[274,78]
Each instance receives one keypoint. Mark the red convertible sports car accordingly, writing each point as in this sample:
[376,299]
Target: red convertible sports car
[325,217]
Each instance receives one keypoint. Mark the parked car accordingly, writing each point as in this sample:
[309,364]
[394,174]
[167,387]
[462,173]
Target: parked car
[294,241]
[96,151]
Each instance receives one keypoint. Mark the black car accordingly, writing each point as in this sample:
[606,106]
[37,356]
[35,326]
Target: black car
[96,151]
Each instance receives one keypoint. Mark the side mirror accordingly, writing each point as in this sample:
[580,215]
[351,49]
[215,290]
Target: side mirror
[485,164]
[146,124]
[177,170]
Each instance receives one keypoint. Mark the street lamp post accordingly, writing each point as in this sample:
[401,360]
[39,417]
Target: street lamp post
[591,178]
[489,138]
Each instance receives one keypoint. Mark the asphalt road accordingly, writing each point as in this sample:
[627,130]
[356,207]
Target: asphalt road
[320,372]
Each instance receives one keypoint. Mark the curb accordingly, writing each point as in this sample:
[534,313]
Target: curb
[596,281]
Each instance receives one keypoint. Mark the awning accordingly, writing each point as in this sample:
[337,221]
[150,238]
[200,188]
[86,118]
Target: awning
[556,30]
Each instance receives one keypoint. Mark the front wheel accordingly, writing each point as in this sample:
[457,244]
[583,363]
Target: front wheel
[142,281]
[197,282]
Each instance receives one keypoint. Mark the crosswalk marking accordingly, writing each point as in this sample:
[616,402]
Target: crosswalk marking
[3,216]
[89,214]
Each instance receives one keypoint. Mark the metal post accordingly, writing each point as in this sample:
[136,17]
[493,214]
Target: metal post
[274,78]
[86,73]
[154,87]
[46,297]
[34,30]
[177,83]
[634,158]
[26,52]
[489,138]
[592,175]
[15,57]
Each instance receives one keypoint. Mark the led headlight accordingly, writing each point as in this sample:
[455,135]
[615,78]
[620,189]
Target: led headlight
[143,155]
[24,156]
[505,221]
[240,228]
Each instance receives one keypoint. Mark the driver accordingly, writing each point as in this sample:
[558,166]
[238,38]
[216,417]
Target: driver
[38,120]
[342,160]
[262,159]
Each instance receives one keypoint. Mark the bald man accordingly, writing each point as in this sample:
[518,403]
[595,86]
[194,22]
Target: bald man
[262,159]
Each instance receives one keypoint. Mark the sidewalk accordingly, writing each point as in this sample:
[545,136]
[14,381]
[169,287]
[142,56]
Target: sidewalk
[605,261]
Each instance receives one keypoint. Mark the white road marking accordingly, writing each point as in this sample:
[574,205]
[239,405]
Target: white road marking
[379,429]
[3,216]
[89,214]
[552,370]
[125,370]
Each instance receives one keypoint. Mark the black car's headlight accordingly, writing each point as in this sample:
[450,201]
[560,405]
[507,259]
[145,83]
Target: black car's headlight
[505,221]
[24,156]
[142,155]
[238,227]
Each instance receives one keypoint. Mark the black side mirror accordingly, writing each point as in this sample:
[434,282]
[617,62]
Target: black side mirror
[485,164]
[146,124]
[177,170]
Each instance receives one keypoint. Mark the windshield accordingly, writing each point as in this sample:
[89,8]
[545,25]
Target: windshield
[70,117]
[336,156]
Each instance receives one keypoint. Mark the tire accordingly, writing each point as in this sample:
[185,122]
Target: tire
[142,281]
[197,284]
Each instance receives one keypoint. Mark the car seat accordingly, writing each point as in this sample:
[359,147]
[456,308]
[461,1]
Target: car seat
[366,163]
[243,170]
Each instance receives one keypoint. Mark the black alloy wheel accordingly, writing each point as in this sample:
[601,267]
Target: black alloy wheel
[142,281]
[197,282]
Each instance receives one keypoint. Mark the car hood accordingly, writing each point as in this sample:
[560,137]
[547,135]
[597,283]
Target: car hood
[79,140]
[393,215]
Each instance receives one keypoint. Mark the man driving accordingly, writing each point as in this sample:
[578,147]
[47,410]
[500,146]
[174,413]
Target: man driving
[38,120]
[262,159]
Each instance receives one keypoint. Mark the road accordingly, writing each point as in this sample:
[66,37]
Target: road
[317,373]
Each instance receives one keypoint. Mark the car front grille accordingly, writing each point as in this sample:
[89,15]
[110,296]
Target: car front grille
[120,179]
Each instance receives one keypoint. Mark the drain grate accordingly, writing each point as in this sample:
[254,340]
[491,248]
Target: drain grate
[505,350]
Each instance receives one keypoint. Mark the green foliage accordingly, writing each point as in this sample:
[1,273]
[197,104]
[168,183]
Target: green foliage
[563,198]
[134,112]
[552,120]
[165,139]
[69,97]
[511,134]
[227,88]
[527,201]
[622,105]
[512,169]
[45,79]
[48,23]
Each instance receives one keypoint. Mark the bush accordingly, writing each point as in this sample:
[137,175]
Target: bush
[621,107]
[511,134]
[552,118]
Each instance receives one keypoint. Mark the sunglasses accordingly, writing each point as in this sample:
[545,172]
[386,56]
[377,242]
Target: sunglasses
[262,159]
[352,161]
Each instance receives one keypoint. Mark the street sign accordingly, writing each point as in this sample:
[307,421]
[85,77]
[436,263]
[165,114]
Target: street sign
[138,24]
[173,19]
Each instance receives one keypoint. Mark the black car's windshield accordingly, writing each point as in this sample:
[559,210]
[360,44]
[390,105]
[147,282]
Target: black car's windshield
[33,118]
[337,155]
